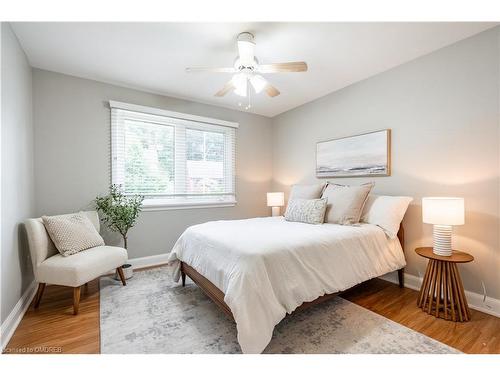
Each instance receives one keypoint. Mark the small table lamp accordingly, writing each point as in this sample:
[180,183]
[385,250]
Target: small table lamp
[275,200]
[443,212]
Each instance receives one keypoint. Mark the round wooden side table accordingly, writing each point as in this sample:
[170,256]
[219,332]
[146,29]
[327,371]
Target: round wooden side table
[442,293]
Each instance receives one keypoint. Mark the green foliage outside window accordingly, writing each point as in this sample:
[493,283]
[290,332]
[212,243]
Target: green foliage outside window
[149,161]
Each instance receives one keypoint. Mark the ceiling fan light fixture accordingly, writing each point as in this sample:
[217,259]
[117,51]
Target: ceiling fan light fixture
[258,82]
[241,91]
[246,66]
[240,83]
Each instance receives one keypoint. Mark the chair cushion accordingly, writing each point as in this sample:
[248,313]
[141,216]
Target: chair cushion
[81,267]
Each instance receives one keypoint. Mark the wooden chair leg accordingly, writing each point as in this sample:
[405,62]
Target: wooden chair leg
[39,293]
[76,299]
[401,278]
[122,276]
[183,276]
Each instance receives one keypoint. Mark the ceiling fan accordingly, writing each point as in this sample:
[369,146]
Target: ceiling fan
[247,70]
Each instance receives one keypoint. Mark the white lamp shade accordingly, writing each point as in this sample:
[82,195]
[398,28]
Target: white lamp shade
[258,82]
[240,83]
[443,210]
[276,199]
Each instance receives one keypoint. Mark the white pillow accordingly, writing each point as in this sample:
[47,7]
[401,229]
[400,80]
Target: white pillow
[345,203]
[306,191]
[385,211]
[310,211]
[72,233]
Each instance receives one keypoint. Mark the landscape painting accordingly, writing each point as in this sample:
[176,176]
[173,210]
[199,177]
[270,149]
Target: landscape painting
[360,155]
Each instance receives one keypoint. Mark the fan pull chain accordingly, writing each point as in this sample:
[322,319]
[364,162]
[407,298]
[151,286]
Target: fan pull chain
[249,105]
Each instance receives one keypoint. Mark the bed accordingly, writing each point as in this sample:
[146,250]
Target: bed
[261,269]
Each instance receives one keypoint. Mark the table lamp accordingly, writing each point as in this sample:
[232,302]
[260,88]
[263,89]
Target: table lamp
[275,200]
[443,212]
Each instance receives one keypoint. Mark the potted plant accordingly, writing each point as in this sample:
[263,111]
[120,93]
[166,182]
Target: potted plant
[120,212]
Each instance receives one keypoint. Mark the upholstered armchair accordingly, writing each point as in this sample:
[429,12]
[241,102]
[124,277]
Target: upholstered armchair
[50,267]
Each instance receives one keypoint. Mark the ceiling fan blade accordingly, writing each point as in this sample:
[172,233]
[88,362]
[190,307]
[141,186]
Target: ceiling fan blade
[288,67]
[213,70]
[229,86]
[271,90]
[246,51]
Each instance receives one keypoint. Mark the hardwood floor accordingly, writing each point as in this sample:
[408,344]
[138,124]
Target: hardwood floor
[480,335]
[54,326]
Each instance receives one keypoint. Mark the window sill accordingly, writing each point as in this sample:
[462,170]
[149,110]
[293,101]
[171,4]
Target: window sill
[152,206]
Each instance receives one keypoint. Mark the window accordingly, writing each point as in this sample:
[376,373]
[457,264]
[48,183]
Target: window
[173,159]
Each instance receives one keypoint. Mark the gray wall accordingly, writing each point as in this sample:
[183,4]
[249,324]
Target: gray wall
[72,156]
[443,110]
[17,200]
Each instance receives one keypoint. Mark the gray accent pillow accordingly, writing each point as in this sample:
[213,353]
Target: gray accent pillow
[306,191]
[345,203]
[72,233]
[310,211]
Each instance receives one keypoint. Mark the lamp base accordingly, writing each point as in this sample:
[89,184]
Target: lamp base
[442,240]
[276,211]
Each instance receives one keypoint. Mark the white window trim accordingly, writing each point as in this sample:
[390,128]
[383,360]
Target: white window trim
[164,112]
[149,204]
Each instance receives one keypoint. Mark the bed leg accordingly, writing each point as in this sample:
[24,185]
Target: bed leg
[183,276]
[401,278]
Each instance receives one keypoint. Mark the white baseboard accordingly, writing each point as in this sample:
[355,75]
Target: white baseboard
[153,260]
[475,300]
[10,324]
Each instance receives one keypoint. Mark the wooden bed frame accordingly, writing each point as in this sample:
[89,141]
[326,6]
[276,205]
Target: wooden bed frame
[216,295]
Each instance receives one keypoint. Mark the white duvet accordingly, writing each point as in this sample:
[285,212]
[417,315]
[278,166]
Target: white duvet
[267,267]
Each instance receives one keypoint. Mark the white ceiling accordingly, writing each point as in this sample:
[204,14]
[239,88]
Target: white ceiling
[153,56]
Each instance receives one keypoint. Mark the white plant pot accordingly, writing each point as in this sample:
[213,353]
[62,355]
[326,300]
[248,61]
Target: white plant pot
[128,272]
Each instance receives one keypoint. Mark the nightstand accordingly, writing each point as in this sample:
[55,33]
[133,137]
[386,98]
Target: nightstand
[442,293]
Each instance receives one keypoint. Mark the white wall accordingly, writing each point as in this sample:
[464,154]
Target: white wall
[72,156]
[443,110]
[17,196]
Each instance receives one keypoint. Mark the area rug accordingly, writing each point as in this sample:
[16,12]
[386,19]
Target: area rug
[152,314]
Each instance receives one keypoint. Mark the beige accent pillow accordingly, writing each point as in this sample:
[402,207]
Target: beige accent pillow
[345,203]
[309,211]
[72,233]
[306,191]
[385,211]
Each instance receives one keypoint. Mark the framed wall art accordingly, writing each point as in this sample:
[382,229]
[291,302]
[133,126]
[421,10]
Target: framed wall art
[366,154]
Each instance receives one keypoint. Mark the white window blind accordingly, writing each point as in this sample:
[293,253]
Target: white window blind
[172,158]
